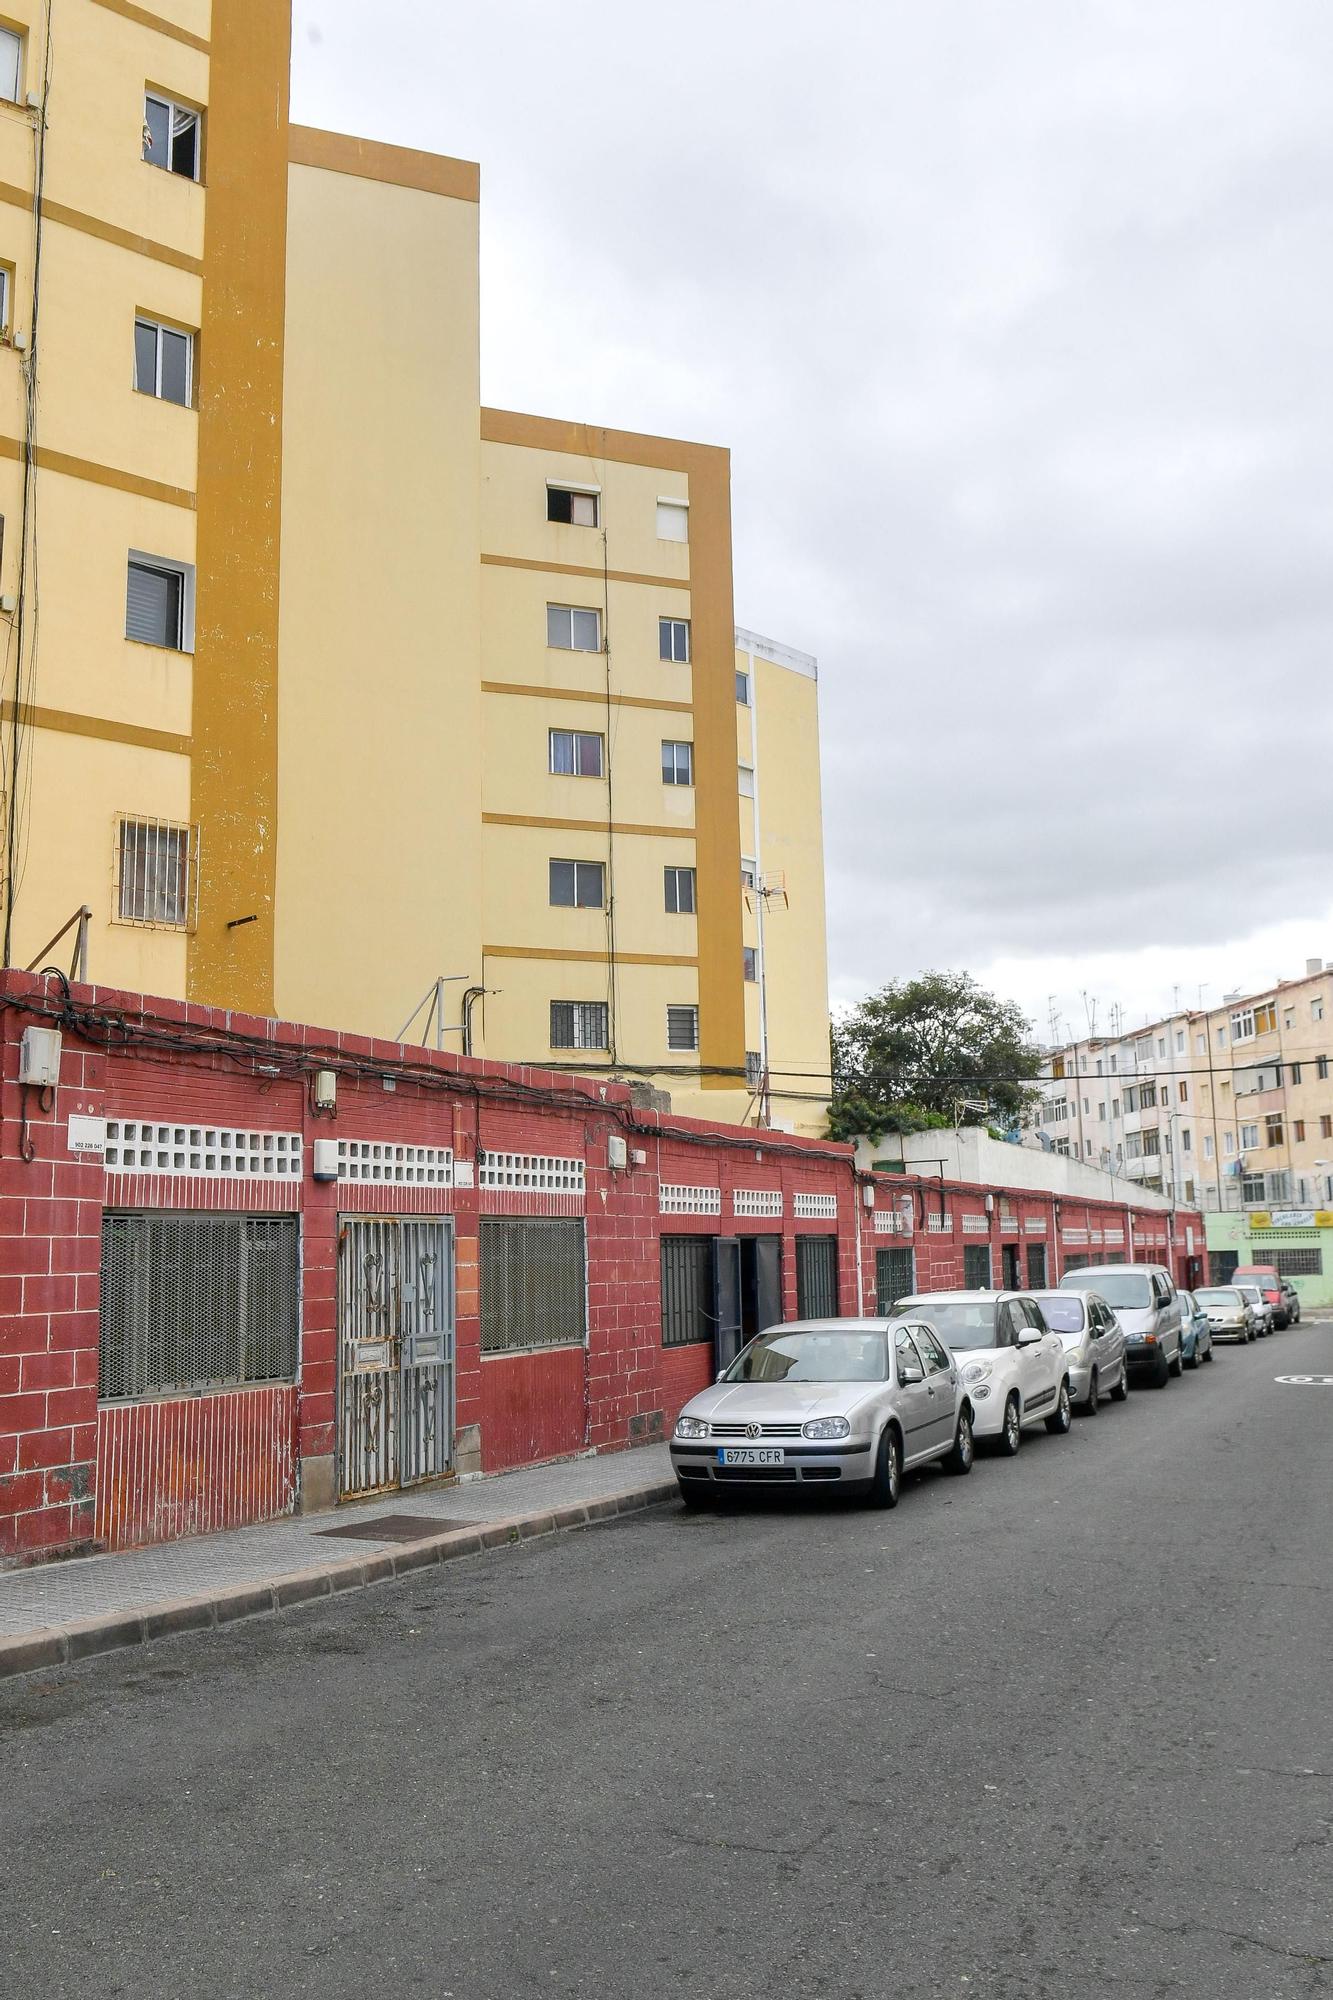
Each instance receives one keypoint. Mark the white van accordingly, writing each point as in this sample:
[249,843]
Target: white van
[1144,1299]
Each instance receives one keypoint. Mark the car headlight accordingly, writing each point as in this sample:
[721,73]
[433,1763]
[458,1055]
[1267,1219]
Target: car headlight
[976,1371]
[691,1427]
[825,1428]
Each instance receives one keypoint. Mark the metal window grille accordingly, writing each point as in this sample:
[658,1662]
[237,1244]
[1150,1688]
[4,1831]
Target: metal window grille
[754,1069]
[197,1302]
[532,1173]
[533,1289]
[580,1024]
[975,1224]
[756,1201]
[1037,1264]
[893,1278]
[816,1276]
[136,1146]
[396,1166]
[682,1027]
[890,1222]
[157,873]
[687,1290]
[679,891]
[938,1225]
[679,1198]
[1075,1263]
[821,1207]
[1295,1263]
[976,1267]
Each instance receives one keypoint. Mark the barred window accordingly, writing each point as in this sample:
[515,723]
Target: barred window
[682,1027]
[195,1302]
[893,1279]
[817,1277]
[579,1024]
[1297,1263]
[156,872]
[533,1291]
[687,1290]
[1037,1265]
[976,1267]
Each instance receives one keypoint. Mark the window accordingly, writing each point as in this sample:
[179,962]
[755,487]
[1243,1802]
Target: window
[1201,1045]
[749,962]
[749,873]
[1180,1041]
[1326,1128]
[1152,1145]
[743,690]
[687,1290]
[1317,1008]
[572,629]
[1265,1019]
[1085,1107]
[1298,1129]
[575,754]
[745,780]
[1297,1263]
[159,602]
[1133,1146]
[1148,1095]
[816,1277]
[171,136]
[579,1024]
[1099,1065]
[893,1279]
[1221,1038]
[1273,1132]
[673,639]
[157,866]
[1295,1072]
[1101,1112]
[754,1070]
[577,506]
[1115,1107]
[11,64]
[1113,1065]
[1321,1069]
[194,1302]
[1249,1138]
[1208,1145]
[533,1288]
[1037,1265]
[1228,1142]
[1184,1092]
[576,885]
[1131,1099]
[677,763]
[1143,1049]
[1186,1141]
[679,891]
[1289,1017]
[1161,1045]
[673,521]
[163,362]
[1252,1187]
[976,1267]
[682,1028]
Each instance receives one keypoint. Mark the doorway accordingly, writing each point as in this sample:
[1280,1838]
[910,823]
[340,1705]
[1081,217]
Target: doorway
[395,1352]
[748,1292]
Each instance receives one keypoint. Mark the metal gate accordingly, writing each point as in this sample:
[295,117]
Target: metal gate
[395,1352]
[817,1277]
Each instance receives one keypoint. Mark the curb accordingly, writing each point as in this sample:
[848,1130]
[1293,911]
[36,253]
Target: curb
[112,1631]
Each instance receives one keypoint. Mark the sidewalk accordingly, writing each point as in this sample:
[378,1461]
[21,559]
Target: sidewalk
[65,1611]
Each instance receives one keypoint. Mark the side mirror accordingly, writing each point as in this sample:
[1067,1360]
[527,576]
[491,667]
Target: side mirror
[907,1376]
[721,1375]
[1028,1336]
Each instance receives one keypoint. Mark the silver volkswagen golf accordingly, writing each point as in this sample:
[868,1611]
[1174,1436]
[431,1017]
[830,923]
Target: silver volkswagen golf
[835,1402]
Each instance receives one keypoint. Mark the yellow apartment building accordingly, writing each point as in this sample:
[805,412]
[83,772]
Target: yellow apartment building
[328,692]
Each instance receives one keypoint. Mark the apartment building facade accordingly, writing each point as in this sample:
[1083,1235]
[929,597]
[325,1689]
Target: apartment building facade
[1229,1109]
[332,694]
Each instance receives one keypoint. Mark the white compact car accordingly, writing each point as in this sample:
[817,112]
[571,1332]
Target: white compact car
[1014,1368]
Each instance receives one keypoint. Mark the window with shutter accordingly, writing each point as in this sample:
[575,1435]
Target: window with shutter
[156,602]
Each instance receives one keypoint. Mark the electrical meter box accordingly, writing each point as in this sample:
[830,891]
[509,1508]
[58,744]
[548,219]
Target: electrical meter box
[39,1057]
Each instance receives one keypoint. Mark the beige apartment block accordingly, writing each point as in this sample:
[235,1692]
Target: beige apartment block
[329,693]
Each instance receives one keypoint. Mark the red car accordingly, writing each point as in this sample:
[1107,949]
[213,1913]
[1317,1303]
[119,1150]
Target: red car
[1278,1292]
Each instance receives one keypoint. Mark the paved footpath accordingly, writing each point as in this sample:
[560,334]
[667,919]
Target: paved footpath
[63,1611]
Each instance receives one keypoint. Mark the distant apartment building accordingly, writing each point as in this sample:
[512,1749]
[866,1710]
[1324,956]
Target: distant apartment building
[1227,1109]
[330,693]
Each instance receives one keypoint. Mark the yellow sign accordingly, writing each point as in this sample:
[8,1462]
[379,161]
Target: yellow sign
[1260,1219]
[1323,1218]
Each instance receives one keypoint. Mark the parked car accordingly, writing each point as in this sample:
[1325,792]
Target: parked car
[1144,1300]
[1093,1342]
[1013,1367]
[834,1402]
[1259,1306]
[1196,1338]
[1228,1310]
[1279,1293]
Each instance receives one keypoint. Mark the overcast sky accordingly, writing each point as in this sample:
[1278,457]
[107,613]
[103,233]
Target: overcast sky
[1017,316]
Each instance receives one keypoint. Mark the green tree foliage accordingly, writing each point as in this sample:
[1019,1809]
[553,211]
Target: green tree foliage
[905,1058]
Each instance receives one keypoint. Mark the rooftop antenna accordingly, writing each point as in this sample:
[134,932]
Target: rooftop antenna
[1053,1016]
[1090,1011]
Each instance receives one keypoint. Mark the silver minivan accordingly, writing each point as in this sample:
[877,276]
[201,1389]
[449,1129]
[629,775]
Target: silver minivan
[1147,1305]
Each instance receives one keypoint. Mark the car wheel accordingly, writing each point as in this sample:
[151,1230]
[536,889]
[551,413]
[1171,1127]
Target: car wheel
[1062,1416]
[963,1449]
[1208,1352]
[887,1483]
[1160,1373]
[1120,1393]
[1195,1357]
[690,1494]
[1011,1431]
[1093,1404]
[1177,1366]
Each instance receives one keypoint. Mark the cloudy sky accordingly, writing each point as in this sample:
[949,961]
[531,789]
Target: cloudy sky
[1017,316]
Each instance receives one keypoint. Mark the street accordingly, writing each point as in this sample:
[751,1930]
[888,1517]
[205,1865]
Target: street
[1064,1727]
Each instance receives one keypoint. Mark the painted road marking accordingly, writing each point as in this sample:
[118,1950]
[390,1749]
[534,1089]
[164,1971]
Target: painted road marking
[1307,1381]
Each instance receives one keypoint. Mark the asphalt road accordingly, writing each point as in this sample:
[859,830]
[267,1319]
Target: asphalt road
[1061,1728]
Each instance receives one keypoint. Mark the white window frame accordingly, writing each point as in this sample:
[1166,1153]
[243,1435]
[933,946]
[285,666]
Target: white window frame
[675,745]
[158,327]
[749,875]
[683,1048]
[574,862]
[580,1011]
[672,512]
[166,566]
[675,627]
[1249,1138]
[744,688]
[745,780]
[144,918]
[175,108]
[569,611]
[593,493]
[576,736]
[671,878]
[18,38]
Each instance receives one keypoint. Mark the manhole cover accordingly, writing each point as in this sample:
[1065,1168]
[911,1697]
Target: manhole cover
[397,1528]
[1307,1381]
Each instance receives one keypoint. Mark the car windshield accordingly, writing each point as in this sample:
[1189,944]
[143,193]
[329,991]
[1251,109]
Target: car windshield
[1119,1288]
[1216,1295]
[961,1323]
[1065,1315]
[812,1357]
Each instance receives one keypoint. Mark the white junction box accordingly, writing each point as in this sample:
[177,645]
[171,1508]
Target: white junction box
[617,1153]
[326,1159]
[326,1089]
[39,1057]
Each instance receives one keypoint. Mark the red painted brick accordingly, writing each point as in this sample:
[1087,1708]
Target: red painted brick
[50,1294]
[47,1371]
[20,1491]
[40,1449]
[71,1406]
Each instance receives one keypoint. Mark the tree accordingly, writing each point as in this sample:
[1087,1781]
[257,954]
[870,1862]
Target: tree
[905,1059]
